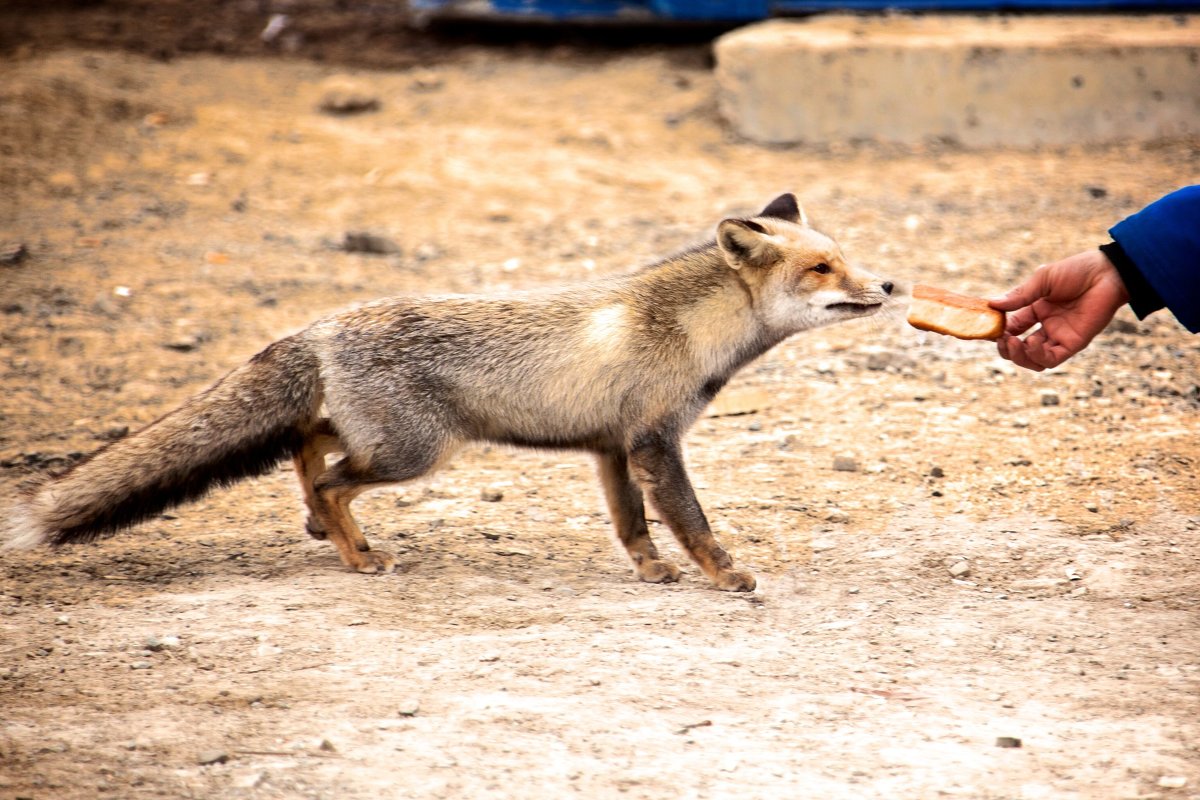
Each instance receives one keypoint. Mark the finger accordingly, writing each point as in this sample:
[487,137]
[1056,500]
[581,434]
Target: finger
[1020,321]
[1033,287]
[1020,358]
[1018,355]
[1002,347]
[1042,350]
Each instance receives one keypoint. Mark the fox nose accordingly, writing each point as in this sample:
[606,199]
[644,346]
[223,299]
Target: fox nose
[887,287]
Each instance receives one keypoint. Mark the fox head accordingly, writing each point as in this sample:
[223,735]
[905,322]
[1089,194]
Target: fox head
[798,276]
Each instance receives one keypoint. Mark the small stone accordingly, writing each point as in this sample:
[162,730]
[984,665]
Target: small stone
[62,619]
[837,515]
[369,243]
[426,81]
[327,746]
[250,780]
[491,495]
[1092,507]
[141,665]
[1007,741]
[184,344]
[1049,397]
[960,569]
[113,434]
[937,472]
[343,97]
[1172,781]
[409,708]
[12,254]
[209,757]
[845,464]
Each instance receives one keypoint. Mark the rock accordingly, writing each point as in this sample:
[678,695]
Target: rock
[837,515]
[185,343]
[327,746]
[426,81]
[209,757]
[275,26]
[937,472]
[1007,741]
[884,360]
[344,96]
[141,665]
[960,569]
[1050,397]
[1120,325]
[250,780]
[1097,192]
[12,254]
[113,434]
[1092,507]
[369,243]
[409,708]
[491,495]
[1172,781]
[845,464]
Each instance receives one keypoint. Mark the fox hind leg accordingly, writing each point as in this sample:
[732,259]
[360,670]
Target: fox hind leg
[310,464]
[627,509]
[333,491]
[335,488]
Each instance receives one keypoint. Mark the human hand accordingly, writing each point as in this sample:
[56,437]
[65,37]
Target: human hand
[1072,299]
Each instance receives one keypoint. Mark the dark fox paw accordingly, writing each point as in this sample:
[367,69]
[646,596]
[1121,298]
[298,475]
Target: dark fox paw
[314,528]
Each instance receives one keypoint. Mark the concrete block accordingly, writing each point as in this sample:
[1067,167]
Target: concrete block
[979,81]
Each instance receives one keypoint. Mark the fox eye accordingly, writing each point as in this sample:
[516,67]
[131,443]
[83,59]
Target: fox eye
[822,269]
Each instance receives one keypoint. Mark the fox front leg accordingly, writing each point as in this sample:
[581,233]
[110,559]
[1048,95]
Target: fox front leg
[657,464]
[628,514]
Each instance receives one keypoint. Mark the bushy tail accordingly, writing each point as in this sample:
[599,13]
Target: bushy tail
[240,427]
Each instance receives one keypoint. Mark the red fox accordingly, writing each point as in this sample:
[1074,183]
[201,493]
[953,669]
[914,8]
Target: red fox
[620,367]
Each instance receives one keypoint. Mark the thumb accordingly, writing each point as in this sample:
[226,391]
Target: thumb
[1033,287]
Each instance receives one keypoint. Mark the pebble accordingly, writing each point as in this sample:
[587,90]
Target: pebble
[837,515]
[1007,741]
[212,757]
[1092,507]
[491,495]
[141,665]
[12,254]
[344,97]
[845,464]
[369,243]
[409,708]
[1172,781]
[184,344]
[960,569]
[1050,397]
[937,472]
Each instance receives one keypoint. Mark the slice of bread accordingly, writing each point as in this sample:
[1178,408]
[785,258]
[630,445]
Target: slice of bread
[957,315]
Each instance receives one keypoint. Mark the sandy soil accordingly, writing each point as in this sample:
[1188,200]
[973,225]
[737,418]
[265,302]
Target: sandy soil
[1013,555]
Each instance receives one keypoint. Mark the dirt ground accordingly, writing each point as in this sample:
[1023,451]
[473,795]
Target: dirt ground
[1009,555]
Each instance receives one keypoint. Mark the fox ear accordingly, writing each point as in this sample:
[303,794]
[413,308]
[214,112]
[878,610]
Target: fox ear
[745,243]
[787,208]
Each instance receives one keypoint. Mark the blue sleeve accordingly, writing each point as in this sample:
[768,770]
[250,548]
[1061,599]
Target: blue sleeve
[1163,242]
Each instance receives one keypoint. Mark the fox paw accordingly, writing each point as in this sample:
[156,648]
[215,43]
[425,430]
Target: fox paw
[373,561]
[655,571]
[314,528]
[735,581]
